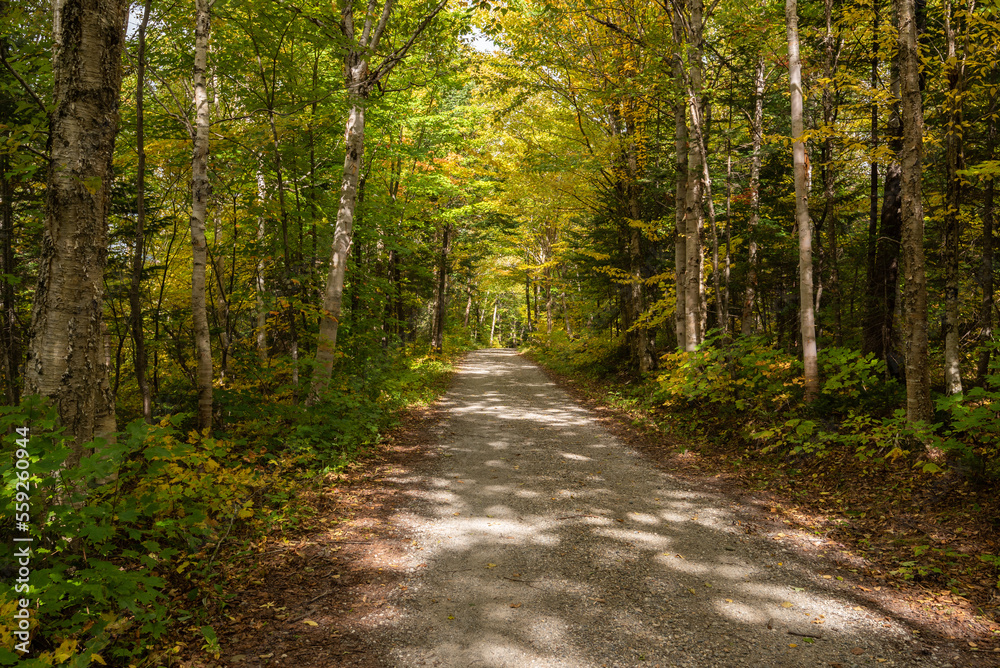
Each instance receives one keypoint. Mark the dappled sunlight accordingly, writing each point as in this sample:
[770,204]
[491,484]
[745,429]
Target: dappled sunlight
[567,536]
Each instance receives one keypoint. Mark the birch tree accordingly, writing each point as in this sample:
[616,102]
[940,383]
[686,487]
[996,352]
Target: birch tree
[807,315]
[66,353]
[360,81]
[199,210]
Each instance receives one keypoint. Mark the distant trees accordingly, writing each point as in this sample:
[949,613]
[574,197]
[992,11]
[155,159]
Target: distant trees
[618,170]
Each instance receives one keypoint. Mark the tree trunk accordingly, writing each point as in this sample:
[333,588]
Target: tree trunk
[953,203]
[680,198]
[830,216]
[694,212]
[66,355]
[334,293]
[751,322]
[986,304]
[880,301]
[493,325]
[918,398]
[870,330]
[138,255]
[440,306]
[9,325]
[807,317]
[548,301]
[360,82]
[199,210]
[527,300]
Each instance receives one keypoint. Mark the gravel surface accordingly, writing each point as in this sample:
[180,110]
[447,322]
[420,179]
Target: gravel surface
[541,540]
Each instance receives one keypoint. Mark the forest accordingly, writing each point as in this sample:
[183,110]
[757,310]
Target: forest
[239,239]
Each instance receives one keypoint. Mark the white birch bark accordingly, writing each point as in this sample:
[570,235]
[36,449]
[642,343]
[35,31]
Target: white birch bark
[807,316]
[66,351]
[199,211]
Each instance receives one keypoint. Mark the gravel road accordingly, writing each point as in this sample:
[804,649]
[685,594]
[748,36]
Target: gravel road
[541,540]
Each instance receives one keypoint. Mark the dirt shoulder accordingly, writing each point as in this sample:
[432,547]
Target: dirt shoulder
[314,589]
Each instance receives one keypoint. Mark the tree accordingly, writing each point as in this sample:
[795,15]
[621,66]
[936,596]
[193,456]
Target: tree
[360,81]
[807,315]
[918,395]
[199,213]
[138,254]
[66,353]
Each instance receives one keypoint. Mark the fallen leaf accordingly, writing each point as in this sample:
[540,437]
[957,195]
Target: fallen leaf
[729,600]
[309,622]
[451,616]
[491,565]
[515,605]
[827,577]
[791,644]
[787,604]
[857,651]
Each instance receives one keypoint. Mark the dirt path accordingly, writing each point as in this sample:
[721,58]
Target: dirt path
[541,540]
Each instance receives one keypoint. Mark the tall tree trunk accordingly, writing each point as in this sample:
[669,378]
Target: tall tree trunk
[637,304]
[680,198]
[441,306]
[260,333]
[870,332]
[918,396]
[66,355]
[359,83]
[694,212]
[527,300]
[9,325]
[751,322]
[986,304]
[493,325]
[199,211]
[333,295]
[548,300]
[293,331]
[138,255]
[953,202]
[880,300]
[830,216]
[807,317]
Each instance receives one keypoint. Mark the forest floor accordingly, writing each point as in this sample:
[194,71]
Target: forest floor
[509,526]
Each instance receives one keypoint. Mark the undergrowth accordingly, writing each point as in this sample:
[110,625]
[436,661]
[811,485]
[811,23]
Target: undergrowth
[126,548]
[850,453]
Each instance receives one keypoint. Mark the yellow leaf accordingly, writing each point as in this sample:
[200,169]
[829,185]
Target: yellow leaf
[787,604]
[791,644]
[310,622]
[491,565]
[65,650]
[98,659]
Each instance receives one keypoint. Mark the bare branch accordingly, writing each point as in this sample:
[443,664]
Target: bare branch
[616,28]
[380,28]
[392,60]
[24,84]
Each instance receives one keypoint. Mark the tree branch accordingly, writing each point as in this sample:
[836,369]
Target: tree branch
[392,60]
[24,84]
